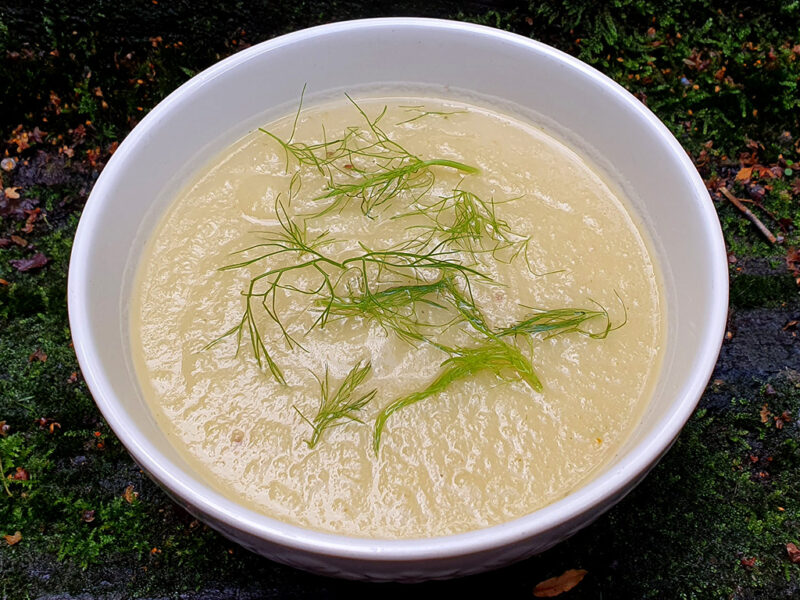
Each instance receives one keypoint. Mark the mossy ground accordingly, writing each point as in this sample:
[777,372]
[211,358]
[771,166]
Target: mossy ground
[713,518]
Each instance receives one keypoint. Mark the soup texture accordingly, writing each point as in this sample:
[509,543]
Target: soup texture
[397,318]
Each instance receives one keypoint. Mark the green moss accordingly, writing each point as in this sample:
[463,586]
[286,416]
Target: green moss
[751,291]
[778,211]
[725,492]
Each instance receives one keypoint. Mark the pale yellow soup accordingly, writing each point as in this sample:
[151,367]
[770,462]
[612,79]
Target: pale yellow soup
[485,450]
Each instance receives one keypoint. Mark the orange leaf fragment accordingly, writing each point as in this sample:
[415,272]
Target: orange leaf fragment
[794,553]
[38,355]
[130,495]
[13,539]
[550,588]
[763,171]
[12,193]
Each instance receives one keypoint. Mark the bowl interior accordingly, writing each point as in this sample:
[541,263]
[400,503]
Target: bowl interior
[517,76]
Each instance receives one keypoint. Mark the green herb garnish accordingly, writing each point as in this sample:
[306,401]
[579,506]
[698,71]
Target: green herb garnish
[394,308]
[365,165]
[496,356]
[564,320]
[392,286]
[341,406]
[422,113]
[324,276]
[467,222]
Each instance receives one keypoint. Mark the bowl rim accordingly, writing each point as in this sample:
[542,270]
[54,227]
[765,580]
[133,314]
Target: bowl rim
[600,492]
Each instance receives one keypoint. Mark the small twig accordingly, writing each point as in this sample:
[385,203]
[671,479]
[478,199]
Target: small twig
[753,219]
[3,477]
[763,208]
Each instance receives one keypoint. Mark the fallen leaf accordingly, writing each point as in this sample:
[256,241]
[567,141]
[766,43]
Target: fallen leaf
[79,133]
[19,241]
[794,553]
[13,539]
[550,588]
[21,475]
[767,172]
[793,263]
[20,138]
[38,355]
[32,216]
[757,192]
[38,135]
[93,156]
[3,282]
[55,102]
[14,207]
[764,414]
[129,495]
[87,516]
[748,563]
[744,174]
[12,193]
[37,261]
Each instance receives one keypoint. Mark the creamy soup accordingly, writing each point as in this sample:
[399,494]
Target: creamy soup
[442,241]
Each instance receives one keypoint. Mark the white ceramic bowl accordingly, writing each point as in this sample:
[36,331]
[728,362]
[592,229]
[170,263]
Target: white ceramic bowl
[568,98]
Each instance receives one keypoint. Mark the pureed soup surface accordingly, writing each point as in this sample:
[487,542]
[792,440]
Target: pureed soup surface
[485,447]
